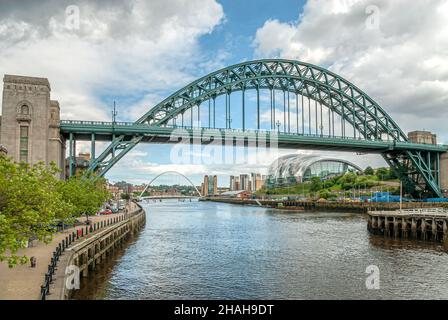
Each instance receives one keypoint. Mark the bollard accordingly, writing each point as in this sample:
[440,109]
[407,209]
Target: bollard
[42,292]
[66,242]
[63,245]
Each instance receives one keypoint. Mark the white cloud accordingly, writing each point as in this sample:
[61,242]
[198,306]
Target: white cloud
[134,48]
[401,65]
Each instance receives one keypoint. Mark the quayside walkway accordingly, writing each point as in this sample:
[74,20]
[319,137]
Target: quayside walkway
[23,282]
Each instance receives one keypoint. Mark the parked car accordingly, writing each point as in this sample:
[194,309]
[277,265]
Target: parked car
[106,212]
[114,210]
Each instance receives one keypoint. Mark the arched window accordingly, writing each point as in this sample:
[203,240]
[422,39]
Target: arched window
[25,110]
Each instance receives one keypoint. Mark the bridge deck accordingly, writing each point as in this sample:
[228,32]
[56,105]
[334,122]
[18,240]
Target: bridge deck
[105,131]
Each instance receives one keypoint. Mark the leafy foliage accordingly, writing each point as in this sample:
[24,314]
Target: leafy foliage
[33,200]
[338,185]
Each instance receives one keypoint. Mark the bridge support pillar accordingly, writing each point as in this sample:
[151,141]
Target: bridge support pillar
[92,147]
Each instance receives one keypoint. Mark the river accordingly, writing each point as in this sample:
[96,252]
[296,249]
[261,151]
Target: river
[206,250]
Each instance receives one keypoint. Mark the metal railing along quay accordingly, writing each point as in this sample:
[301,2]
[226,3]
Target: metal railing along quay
[68,241]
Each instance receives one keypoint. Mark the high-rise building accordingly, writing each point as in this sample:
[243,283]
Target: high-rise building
[244,182]
[253,180]
[215,185]
[205,188]
[257,181]
[236,185]
[210,186]
[232,183]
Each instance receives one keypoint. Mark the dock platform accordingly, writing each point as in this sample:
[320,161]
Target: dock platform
[429,224]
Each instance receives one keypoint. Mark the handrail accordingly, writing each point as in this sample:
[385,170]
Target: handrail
[72,237]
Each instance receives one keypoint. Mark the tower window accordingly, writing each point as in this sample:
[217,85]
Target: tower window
[24,143]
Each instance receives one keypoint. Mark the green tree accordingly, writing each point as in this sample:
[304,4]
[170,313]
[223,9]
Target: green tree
[85,194]
[30,206]
[382,173]
[369,171]
[316,184]
[348,180]
[33,200]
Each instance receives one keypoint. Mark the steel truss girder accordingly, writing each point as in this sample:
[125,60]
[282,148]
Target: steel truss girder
[417,172]
[113,153]
[278,74]
[313,82]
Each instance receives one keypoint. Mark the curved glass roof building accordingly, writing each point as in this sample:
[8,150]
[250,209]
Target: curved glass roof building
[295,168]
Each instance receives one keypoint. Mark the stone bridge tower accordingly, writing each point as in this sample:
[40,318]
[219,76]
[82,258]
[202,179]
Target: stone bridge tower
[30,122]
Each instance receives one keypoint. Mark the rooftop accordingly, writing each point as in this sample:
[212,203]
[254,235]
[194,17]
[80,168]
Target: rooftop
[8,78]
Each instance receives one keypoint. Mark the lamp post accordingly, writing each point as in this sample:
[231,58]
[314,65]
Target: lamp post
[278,126]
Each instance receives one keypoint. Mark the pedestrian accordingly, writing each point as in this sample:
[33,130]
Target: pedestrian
[33,262]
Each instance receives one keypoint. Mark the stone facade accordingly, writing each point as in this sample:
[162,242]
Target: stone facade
[424,137]
[30,122]
[444,173]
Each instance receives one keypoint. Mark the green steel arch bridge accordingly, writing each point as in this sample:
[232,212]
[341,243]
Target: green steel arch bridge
[300,105]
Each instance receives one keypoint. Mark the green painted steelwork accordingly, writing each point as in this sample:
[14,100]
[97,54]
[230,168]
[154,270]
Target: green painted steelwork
[105,130]
[373,129]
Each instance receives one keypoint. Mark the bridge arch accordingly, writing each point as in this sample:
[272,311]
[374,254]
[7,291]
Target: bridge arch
[170,172]
[312,82]
[418,169]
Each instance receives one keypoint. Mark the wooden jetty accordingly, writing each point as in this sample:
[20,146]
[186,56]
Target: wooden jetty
[425,224]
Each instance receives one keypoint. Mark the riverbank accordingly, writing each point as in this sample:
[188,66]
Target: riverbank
[23,282]
[355,207]
[85,255]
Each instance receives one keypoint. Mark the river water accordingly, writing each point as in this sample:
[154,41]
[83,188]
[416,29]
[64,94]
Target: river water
[205,250]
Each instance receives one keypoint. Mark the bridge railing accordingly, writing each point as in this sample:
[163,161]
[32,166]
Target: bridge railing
[97,123]
[227,130]
[79,232]
[264,131]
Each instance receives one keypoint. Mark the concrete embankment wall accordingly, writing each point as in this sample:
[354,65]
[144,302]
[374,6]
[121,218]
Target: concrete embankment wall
[88,253]
[360,207]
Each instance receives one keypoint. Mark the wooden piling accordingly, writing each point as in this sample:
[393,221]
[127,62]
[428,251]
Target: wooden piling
[424,224]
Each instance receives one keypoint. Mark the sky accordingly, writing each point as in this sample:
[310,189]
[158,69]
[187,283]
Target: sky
[139,52]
